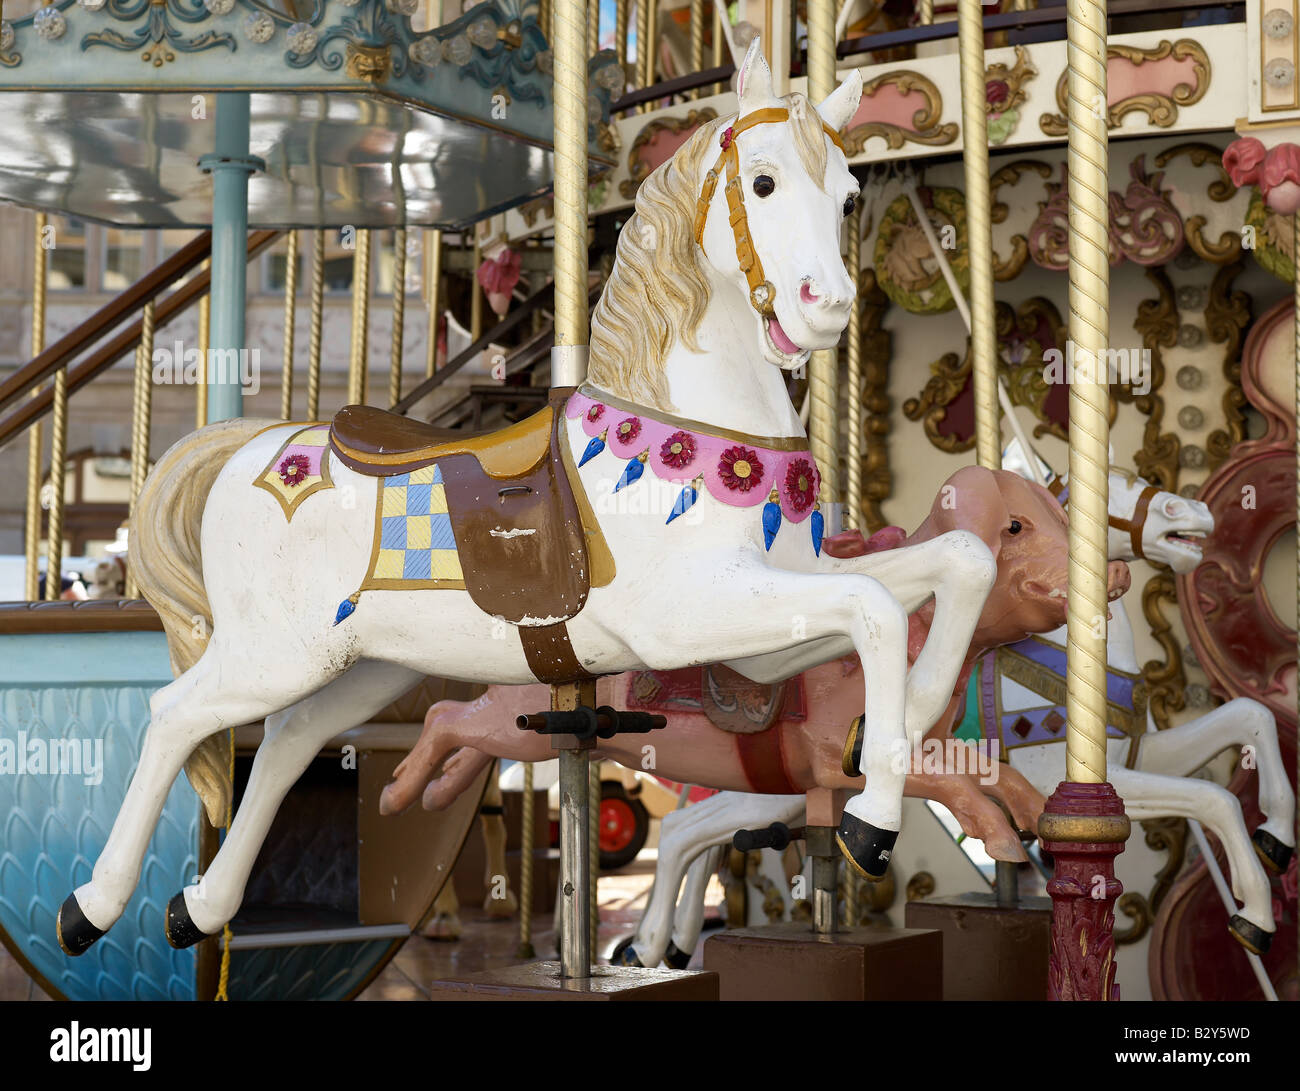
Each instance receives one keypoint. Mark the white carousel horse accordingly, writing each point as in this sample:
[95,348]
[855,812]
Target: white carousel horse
[322,612]
[1146,523]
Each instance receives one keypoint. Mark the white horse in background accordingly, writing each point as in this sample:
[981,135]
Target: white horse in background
[1169,530]
[688,335]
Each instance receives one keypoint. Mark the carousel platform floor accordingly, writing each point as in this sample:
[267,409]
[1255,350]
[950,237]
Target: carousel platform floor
[485,943]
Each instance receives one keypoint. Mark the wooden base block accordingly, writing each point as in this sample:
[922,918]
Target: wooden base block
[789,962]
[989,953]
[542,981]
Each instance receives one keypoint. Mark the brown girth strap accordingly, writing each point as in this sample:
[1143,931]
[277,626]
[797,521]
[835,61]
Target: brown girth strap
[761,293]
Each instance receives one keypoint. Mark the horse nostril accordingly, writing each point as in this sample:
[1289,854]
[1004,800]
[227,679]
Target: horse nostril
[806,294]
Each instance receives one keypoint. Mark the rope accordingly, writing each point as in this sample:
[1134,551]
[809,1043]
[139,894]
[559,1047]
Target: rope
[528,837]
[1089,329]
[223,979]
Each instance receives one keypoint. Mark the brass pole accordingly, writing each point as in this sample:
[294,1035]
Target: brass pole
[290,312]
[853,446]
[528,844]
[823,367]
[697,41]
[36,436]
[620,31]
[58,472]
[924,12]
[1089,330]
[593,851]
[433,285]
[593,27]
[357,366]
[314,327]
[644,46]
[399,316]
[141,413]
[719,40]
[979,227]
[476,297]
[205,339]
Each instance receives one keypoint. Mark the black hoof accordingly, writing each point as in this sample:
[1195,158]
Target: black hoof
[74,932]
[1275,855]
[865,846]
[181,931]
[851,758]
[1250,936]
[675,958]
[625,956]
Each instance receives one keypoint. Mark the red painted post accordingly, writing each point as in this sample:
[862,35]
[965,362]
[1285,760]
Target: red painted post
[1084,827]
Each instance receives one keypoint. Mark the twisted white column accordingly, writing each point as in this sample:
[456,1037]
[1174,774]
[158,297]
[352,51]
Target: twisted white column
[570,104]
[1089,330]
[823,367]
[979,232]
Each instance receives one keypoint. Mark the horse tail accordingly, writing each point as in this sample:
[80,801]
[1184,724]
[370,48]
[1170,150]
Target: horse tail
[167,563]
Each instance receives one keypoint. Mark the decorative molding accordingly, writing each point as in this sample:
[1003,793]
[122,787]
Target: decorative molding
[1144,226]
[1220,190]
[1159,100]
[640,157]
[877,349]
[883,109]
[906,269]
[1004,94]
[1227,317]
[1011,175]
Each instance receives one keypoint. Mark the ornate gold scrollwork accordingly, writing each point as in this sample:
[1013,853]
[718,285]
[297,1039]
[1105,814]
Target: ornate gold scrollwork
[925,121]
[1010,175]
[1161,109]
[1220,190]
[1227,317]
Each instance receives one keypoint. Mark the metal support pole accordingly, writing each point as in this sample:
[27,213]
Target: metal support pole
[697,41]
[853,407]
[205,342]
[230,165]
[432,286]
[593,851]
[820,841]
[823,367]
[359,361]
[1083,824]
[528,845]
[399,316]
[314,322]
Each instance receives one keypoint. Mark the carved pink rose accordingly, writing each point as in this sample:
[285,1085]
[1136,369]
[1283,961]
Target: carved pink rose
[996,92]
[1241,160]
[1280,179]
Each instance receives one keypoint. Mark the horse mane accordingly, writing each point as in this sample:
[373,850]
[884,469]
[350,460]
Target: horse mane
[657,291]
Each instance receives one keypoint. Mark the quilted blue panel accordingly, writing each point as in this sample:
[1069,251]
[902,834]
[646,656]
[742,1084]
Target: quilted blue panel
[327,971]
[52,827]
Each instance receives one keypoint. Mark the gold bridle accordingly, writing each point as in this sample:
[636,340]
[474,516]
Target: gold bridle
[762,295]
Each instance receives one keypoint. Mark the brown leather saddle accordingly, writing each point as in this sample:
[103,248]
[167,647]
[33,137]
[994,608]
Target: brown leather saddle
[527,540]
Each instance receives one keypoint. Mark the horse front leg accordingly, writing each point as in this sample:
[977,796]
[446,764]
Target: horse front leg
[1180,751]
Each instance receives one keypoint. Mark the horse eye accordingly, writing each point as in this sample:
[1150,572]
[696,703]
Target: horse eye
[850,204]
[763,185]
[1015,526]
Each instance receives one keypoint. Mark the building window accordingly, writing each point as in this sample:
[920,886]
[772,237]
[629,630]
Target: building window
[123,259]
[66,260]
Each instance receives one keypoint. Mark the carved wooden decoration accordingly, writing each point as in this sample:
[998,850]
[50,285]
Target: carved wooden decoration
[900,107]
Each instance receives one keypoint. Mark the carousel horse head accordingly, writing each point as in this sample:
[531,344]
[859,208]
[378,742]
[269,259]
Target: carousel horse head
[746,216]
[1145,521]
[1025,527]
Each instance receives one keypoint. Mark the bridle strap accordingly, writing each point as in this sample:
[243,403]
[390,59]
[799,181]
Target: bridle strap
[761,293]
[1135,525]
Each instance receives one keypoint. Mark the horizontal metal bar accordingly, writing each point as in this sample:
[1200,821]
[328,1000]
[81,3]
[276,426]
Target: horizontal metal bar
[311,937]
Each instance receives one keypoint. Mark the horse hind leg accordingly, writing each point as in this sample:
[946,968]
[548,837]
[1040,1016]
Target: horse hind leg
[293,739]
[211,696]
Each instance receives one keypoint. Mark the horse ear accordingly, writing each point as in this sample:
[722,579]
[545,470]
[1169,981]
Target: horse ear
[837,108]
[754,80]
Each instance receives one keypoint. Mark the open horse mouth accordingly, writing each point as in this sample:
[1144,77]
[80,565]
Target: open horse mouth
[780,340]
[1190,541]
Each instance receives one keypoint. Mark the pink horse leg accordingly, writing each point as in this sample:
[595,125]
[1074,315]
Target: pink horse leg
[979,816]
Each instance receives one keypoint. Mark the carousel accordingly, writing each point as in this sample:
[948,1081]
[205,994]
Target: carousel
[974,327]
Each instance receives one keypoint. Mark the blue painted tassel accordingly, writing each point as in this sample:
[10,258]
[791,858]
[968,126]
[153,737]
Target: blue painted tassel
[345,610]
[818,525]
[594,448]
[685,499]
[771,522]
[631,473]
